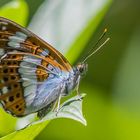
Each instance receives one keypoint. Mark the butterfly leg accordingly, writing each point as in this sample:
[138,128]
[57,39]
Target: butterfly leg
[77,88]
[54,106]
[58,104]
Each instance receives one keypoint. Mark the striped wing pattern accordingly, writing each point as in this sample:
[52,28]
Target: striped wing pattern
[26,61]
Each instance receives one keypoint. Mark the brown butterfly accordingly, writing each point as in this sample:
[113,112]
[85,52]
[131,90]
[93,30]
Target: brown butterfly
[33,75]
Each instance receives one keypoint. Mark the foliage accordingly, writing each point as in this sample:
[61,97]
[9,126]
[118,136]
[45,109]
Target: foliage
[17,10]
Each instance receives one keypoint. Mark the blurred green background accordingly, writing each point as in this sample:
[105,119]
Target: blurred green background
[112,83]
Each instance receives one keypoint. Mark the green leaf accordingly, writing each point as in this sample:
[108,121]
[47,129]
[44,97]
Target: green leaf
[26,134]
[68,25]
[6,120]
[71,109]
[16,10]
[80,41]
[69,31]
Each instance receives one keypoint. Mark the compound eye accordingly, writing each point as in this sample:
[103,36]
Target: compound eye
[81,70]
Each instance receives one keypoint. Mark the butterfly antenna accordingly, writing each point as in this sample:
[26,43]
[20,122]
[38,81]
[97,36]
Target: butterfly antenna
[96,50]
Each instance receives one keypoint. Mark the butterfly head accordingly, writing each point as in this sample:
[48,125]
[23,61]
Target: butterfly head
[82,68]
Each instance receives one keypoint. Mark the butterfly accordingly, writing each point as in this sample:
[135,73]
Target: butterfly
[34,76]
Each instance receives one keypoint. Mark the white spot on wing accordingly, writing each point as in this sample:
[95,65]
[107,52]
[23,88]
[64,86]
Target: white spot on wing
[4,28]
[14,44]
[44,53]
[29,94]
[32,59]
[29,89]
[4,23]
[22,35]
[14,41]
[4,90]
[27,64]
[29,76]
[27,83]
[28,67]
[2,52]
[28,73]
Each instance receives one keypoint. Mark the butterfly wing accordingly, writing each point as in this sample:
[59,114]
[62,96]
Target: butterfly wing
[16,37]
[26,62]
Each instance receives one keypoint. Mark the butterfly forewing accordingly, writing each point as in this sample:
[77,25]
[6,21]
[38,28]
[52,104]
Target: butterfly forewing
[19,38]
[26,62]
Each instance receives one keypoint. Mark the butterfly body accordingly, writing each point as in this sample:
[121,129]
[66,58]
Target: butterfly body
[33,75]
[50,91]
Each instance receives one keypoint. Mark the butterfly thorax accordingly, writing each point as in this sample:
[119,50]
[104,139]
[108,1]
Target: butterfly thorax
[75,76]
